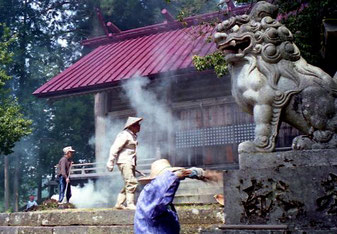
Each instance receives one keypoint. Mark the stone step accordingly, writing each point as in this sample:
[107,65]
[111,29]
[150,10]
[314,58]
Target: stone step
[265,229]
[145,160]
[67,230]
[193,191]
[194,199]
[192,183]
[184,229]
[190,199]
[143,167]
[200,190]
[101,221]
[210,214]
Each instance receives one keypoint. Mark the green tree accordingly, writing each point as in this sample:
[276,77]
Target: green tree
[12,124]
[305,21]
[128,14]
[48,40]
[303,18]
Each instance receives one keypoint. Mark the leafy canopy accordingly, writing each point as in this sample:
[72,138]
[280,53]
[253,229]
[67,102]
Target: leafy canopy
[12,124]
[302,17]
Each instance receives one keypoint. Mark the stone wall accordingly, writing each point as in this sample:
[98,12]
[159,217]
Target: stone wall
[295,188]
[97,221]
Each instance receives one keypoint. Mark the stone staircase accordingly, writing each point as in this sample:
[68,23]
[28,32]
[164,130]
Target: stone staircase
[101,221]
[193,191]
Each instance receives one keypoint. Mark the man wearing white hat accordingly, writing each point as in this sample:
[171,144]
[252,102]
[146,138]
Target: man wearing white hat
[123,152]
[63,170]
[155,212]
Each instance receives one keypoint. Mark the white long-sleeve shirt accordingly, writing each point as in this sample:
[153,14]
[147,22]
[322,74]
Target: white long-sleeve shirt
[124,148]
[30,204]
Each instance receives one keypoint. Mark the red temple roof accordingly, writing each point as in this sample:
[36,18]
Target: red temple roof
[146,51]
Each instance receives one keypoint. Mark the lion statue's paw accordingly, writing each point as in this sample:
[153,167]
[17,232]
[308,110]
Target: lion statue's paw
[246,147]
[250,147]
[305,143]
[260,144]
[302,143]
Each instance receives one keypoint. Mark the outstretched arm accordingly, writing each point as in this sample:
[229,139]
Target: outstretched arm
[116,147]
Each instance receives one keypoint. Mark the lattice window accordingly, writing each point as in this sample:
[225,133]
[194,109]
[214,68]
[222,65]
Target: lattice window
[215,136]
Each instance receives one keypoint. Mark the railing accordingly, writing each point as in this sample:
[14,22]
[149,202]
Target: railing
[87,170]
[94,170]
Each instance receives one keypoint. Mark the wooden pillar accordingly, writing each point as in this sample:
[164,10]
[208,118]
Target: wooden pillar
[100,125]
[171,133]
[202,126]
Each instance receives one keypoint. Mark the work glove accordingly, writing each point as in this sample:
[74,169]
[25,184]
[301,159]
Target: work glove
[196,173]
[182,173]
[110,165]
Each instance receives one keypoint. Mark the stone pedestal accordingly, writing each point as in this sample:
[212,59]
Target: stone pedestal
[293,188]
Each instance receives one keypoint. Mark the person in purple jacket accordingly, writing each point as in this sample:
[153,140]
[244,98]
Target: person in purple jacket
[155,212]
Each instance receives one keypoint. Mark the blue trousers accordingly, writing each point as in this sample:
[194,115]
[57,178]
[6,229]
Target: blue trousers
[62,188]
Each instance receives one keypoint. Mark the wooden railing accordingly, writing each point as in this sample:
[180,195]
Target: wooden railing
[87,170]
[81,171]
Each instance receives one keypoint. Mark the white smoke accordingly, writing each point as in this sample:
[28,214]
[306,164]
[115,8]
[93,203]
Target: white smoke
[149,102]
[113,126]
[94,195]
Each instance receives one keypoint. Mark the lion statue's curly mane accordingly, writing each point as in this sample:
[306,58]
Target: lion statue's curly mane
[273,82]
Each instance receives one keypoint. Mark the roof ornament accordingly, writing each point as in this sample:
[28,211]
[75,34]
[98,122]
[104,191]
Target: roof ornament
[113,28]
[229,3]
[101,21]
[167,15]
[109,28]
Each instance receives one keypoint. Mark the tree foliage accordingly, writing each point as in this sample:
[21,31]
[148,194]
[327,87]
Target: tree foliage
[13,125]
[306,24]
[303,18]
[214,61]
[48,35]
[128,14]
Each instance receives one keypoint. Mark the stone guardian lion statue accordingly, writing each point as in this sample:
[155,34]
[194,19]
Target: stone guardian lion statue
[273,82]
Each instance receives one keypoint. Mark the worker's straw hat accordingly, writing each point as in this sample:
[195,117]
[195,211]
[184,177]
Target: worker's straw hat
[131,121]
[67,149]
[158,167]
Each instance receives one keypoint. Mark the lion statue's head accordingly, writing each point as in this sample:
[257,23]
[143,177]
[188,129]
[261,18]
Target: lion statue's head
[264,42]
[257,33]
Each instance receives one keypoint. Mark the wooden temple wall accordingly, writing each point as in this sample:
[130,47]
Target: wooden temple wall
[211,125]
[210,132]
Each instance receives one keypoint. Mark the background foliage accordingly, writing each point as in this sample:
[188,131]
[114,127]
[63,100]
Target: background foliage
[12,124]
[304,19]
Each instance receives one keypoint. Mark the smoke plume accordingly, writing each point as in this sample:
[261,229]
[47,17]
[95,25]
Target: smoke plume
[149,102]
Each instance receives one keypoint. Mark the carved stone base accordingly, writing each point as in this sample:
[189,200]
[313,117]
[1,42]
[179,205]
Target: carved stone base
[296,188]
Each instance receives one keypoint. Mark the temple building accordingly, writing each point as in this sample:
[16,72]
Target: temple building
[207,124]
